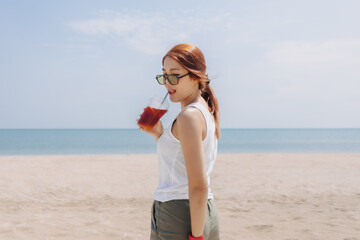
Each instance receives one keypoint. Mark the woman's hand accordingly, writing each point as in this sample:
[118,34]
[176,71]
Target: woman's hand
[156,131]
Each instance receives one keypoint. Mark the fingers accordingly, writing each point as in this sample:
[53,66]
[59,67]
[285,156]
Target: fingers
[140,127]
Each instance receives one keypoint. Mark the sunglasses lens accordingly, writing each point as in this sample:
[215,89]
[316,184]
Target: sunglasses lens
[160,79]
[173,80]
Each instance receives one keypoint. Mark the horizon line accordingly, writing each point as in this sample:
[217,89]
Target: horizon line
[227,128]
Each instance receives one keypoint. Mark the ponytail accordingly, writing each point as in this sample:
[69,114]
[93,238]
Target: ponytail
[207,92]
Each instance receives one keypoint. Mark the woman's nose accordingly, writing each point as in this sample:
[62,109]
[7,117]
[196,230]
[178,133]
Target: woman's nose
[166,82]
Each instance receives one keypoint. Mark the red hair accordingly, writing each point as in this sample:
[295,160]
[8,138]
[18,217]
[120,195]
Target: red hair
[192,59]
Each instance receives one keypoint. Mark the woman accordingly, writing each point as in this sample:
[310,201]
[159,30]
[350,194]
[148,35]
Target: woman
[183,207]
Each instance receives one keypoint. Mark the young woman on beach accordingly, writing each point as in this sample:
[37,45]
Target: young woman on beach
[184,207]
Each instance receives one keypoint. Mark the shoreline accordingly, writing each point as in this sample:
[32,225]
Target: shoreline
[149,154]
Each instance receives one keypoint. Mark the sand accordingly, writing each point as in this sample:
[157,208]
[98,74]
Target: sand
[259,196]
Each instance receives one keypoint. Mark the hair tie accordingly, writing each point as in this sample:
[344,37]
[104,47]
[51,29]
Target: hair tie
[207,77]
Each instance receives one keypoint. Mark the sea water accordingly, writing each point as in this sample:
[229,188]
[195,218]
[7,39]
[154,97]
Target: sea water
[133,141]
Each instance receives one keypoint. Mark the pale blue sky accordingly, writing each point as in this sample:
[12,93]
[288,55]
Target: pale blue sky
[92,64]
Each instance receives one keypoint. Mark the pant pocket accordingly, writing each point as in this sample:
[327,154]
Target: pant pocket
[153,234]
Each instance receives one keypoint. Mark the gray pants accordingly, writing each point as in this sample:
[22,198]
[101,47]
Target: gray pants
[171,221]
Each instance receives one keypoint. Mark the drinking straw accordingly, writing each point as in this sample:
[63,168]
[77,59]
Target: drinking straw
[164,98]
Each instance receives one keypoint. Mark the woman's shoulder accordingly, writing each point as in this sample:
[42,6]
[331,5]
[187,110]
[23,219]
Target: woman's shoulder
[191,115]
[190,121]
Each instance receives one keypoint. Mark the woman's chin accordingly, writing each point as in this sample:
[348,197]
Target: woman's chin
[173,99]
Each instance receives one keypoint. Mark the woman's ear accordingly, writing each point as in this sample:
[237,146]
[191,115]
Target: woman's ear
[195,82]
[193,78]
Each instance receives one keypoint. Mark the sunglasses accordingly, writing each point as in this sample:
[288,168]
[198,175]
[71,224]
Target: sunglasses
[173,79]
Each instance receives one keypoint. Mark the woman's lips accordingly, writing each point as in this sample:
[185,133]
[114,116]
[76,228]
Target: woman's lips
[171,92]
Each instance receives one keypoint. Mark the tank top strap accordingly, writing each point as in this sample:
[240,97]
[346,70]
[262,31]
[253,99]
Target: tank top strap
[209,120]
[202,108]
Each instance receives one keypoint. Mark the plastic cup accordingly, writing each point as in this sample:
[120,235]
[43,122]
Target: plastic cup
[153,112]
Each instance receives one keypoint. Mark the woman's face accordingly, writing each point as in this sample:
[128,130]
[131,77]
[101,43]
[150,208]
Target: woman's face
[186,88]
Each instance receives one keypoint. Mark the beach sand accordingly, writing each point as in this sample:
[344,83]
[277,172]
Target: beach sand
[258,196]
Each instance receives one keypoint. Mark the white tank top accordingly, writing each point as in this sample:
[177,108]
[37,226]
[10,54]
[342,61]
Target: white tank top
[173,181]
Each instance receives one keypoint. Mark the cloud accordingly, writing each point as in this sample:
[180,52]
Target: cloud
[328,54]
[327,69]
[150,34]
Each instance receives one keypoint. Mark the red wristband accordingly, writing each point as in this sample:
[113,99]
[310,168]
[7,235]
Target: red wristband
[196,238]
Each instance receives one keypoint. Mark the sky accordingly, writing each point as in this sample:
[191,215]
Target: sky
[92,64]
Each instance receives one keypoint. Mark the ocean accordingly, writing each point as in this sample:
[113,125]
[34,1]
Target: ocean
[133,141]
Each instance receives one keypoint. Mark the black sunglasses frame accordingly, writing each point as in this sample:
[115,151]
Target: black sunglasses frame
[167,78]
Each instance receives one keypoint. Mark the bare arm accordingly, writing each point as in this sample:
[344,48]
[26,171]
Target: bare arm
[190,127]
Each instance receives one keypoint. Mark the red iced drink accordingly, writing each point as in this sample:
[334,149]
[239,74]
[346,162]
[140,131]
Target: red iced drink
[150,117]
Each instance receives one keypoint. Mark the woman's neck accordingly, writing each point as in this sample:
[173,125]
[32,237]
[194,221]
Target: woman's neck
[192,99]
